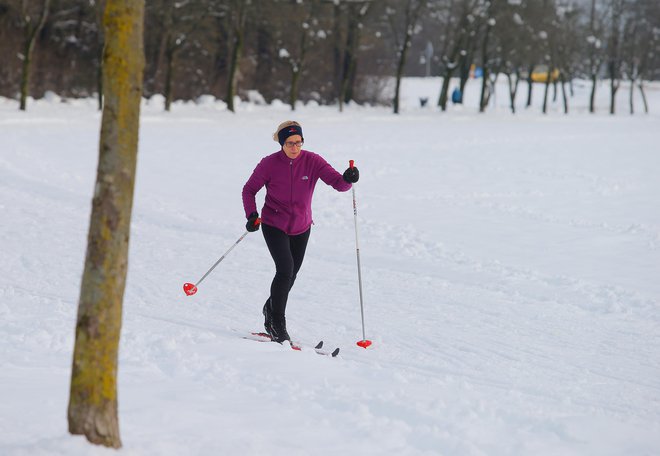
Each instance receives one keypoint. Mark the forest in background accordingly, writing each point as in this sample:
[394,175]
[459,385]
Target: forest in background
[333,51]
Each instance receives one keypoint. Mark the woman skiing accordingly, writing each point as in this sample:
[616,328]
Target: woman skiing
[290,176]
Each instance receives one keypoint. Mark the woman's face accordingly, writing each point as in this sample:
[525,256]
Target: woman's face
[292,146]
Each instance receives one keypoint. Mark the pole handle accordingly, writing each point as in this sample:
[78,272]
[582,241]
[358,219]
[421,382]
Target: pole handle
[351,163]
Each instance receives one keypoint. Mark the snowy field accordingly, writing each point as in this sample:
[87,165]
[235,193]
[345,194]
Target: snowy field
[510,265]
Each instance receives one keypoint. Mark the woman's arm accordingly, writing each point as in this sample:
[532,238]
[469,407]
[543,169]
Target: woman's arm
[331,176]
[256,181]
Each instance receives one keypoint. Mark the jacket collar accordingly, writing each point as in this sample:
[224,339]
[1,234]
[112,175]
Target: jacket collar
[282,156]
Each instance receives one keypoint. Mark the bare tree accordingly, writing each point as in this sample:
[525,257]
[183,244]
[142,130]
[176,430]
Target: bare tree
[641,38]
[501,52]
[32,22]
[614,61]
[485,89]
[550,61]
[461,40]
[549,36]
[347,60]
[595,52]
[92,409]
[99,7]
[238,10]
[180,23]
[568,50]
[510,29]
[535,39]
[305,35]
[402,32]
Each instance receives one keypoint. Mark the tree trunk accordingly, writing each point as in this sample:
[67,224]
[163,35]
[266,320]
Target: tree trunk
[614,86]
[99,81]
[293,93]
[513,89]
[592,98]
[442,101]
[31,34]
[485,68]
[337,52]
[641,90]
[614,50]
[399,70]
[169,73]
[632,95]
[412,14]
[349,64]
[547,89]
[449,70]
[563,93]
[483,100]
[237,48]
[264,55]
[98,11]
[349,93]
[347,61]
[399,75]
[594,63]
[460,56]
[297,67]
[153,83]
[530,85]
[92,407]
[465,61]
[233,67]
[25,73]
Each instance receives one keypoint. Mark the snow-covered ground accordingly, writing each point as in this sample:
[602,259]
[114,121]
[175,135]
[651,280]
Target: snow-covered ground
[510,268]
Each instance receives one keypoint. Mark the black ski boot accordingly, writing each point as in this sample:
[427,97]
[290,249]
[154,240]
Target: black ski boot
[278,329]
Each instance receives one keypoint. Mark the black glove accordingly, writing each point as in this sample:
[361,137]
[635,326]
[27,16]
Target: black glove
[253,222]
[351,175]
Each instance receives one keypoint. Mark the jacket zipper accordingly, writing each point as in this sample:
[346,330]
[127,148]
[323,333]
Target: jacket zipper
[290,195]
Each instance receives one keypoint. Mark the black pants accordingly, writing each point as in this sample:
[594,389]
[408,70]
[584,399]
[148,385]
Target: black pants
[288,253]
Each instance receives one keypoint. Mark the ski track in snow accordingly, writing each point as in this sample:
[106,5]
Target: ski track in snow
[509,270]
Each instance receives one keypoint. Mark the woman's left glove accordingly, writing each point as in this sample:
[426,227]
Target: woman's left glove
[351,175]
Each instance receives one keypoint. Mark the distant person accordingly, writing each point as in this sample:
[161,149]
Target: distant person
[289,175]
[457,96]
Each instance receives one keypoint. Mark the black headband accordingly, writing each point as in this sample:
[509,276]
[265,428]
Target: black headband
[289,131]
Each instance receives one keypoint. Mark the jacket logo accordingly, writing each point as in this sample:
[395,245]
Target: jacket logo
[305,178]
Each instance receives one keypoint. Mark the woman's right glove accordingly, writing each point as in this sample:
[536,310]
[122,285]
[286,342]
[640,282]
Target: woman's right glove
[351,175]
[253,222]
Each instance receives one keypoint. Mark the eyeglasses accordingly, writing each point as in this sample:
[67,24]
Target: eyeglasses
[292,144]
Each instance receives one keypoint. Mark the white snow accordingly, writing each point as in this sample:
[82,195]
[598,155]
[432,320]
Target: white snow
[510,267]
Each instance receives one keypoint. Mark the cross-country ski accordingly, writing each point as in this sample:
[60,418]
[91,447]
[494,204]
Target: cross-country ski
[318,348]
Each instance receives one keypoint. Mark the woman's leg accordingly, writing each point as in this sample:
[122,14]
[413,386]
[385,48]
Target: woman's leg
[288,253]
[298,247]
[280,250]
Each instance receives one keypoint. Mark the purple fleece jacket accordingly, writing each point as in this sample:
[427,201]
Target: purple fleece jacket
[289,188]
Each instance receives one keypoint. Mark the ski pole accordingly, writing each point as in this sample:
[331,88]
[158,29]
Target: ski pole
[364,343]
[190,289]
